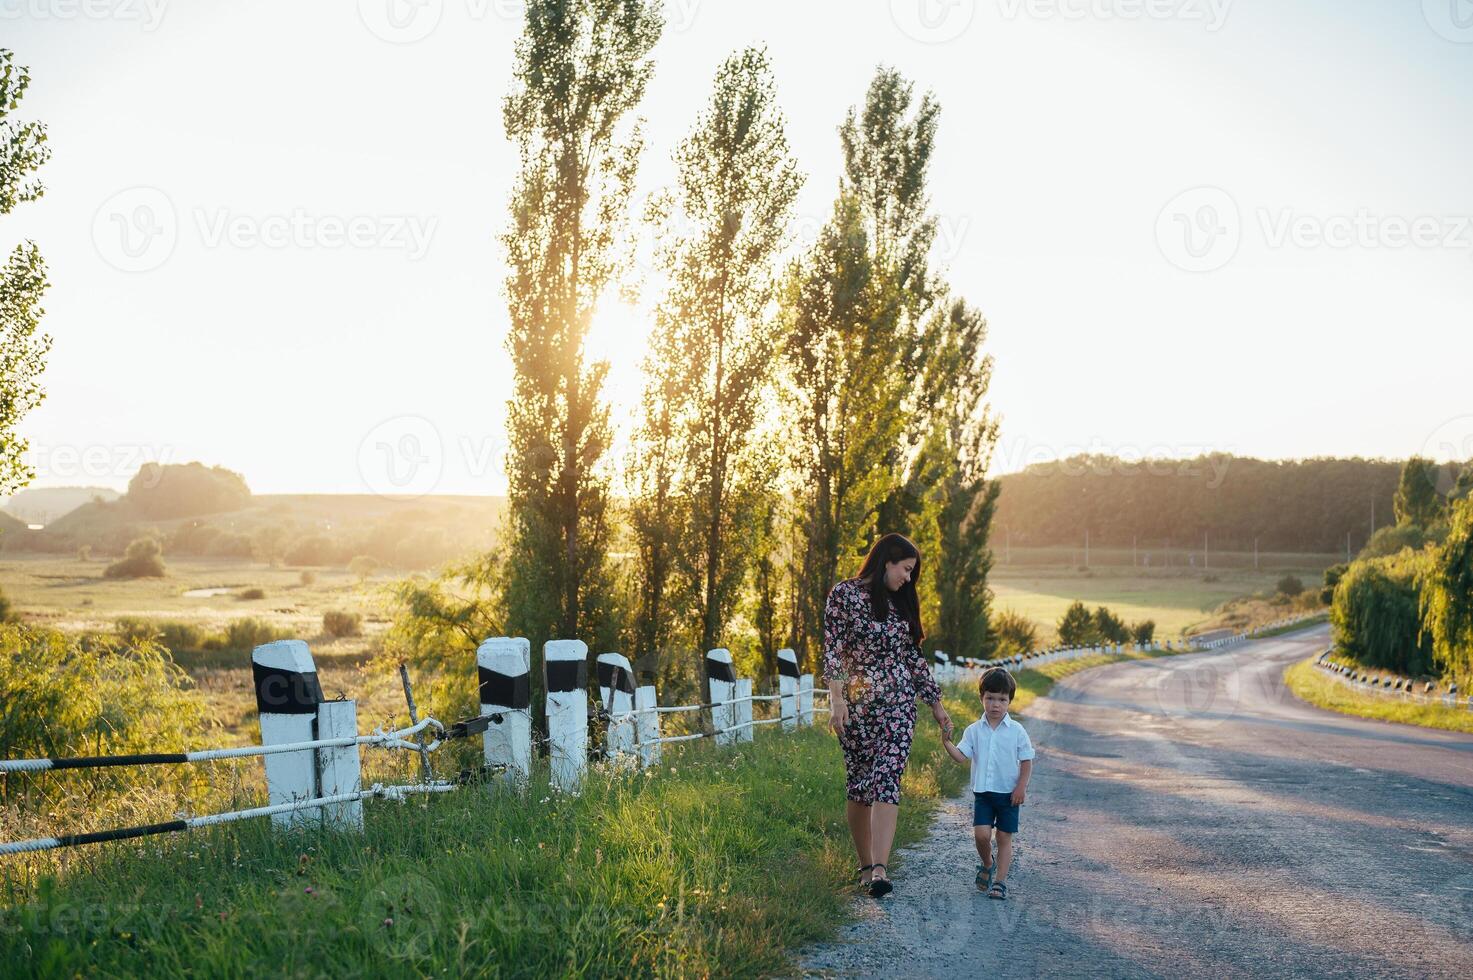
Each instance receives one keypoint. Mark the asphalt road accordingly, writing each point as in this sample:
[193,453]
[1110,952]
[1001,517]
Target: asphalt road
[1189,817]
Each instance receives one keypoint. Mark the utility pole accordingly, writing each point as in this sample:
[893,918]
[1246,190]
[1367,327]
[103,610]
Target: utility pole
[1086,547]
[1255,552]
[1133,560]
[1347,546]
[1373,516]
[1204,549]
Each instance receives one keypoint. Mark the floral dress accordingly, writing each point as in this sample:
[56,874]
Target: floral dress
[885,672]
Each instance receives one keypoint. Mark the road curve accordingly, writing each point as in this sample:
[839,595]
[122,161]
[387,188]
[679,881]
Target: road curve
[1188,815]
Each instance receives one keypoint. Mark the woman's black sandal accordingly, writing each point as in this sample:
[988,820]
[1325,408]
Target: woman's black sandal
[862,870]
[879,886]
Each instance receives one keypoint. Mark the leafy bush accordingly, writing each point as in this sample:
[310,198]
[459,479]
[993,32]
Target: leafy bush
[1376,617]
[337,623]
[64,695]
[1332,578]
[1446,602]
[362,566]
[244,635]
[1012,633]
[1290,586]
[140,561]
[1143,632]
[307,577]
[1393,540]
[1077,627]
[251,593]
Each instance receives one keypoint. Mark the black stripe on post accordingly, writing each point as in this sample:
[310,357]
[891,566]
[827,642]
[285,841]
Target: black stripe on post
[507,690]
[614,677]
[103,761]
[720,670]
[286,692]
[565,675]
[124,833]
[786,667]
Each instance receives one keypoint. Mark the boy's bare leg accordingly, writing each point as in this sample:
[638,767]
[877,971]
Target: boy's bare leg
[983,837]
[858,815]
[1004,855]
[882,833]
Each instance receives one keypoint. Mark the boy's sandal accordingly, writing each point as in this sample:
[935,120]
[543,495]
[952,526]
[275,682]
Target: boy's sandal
[879,885]
[984,876]
[999,890]
[861,870]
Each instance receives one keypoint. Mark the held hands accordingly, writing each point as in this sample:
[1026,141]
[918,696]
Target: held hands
[942,719]
[839,715]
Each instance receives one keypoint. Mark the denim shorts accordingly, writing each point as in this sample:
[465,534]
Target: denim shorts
[995,808]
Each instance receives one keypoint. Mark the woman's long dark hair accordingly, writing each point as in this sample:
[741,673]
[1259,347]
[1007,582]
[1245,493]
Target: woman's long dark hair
[894,548]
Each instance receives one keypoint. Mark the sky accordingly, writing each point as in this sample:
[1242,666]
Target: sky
[1193,225]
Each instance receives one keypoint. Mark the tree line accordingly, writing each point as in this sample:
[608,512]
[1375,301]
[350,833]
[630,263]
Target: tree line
[798,401]
[1308,505]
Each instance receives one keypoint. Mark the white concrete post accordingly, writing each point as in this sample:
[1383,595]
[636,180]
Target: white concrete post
[787,686]
[745,731]
[565,672]
[504,668]
[649,725]
[338,768]
[722,677]
[805,699]
[287,696]
[616,691]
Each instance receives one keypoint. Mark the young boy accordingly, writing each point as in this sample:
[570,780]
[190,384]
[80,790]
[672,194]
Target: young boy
[1001,756]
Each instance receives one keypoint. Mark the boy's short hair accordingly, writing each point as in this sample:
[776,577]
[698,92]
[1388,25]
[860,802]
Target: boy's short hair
[997,680]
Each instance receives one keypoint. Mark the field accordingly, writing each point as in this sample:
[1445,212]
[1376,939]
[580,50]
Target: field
[1040,584]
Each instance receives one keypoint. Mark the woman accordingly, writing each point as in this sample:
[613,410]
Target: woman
[872,635]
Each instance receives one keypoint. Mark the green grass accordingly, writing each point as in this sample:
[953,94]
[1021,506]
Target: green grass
[1316,620]
[1310,684]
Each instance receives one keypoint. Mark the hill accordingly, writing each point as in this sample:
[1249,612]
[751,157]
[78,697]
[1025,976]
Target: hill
[1298,505]
[42,505]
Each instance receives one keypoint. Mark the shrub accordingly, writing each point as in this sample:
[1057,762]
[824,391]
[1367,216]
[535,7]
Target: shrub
[1332,578]
[67,695]
[244,635]
[1447,594]
[1375,614]
[1394,540]
[1012,633]
[84,553]
[315,549]
[307,577]
[6,616]
[336,623]
[1143,632]
[1077,627]
[1289,586]
[141,560]
[1110,628]
[251,593]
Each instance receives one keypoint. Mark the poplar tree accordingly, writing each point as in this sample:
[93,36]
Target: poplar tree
[581,69]
[22,279]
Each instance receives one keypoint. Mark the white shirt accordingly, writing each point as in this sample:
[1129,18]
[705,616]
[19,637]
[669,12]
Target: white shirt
[997,754]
